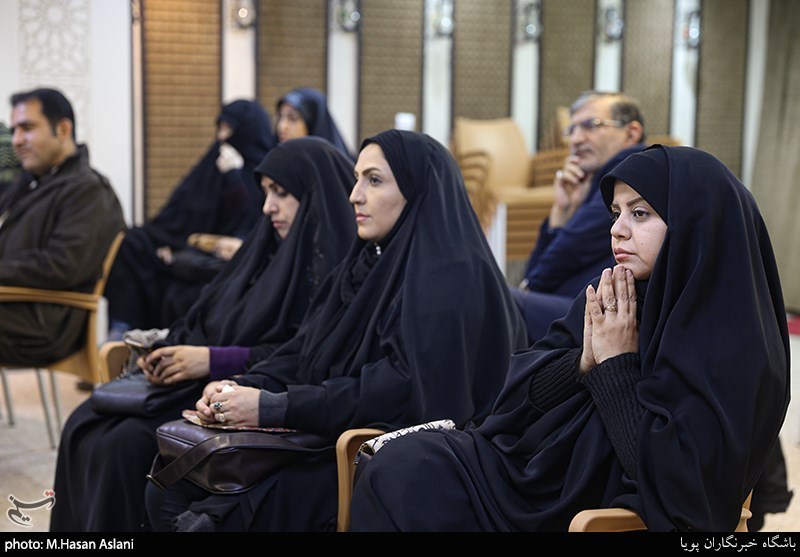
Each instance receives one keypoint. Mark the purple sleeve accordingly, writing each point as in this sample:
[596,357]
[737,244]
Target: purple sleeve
[225,361]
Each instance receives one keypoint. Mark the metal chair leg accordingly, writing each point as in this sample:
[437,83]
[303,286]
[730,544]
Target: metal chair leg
[7,393]
[46,407]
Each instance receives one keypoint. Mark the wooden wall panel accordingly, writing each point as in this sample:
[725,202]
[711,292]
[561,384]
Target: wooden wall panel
[647,60]
[182,90]
[391,63]
[482,59]
[721,83]
[567,57]
[292,48]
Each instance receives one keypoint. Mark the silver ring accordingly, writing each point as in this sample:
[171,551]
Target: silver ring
[221,417]
[217,406]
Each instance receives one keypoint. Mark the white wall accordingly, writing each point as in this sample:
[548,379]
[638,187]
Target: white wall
[83,48]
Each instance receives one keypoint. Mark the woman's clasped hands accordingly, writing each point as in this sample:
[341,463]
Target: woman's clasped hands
[226,402]
[610,327]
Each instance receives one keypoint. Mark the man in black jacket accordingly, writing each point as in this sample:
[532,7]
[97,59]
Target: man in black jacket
[57,221]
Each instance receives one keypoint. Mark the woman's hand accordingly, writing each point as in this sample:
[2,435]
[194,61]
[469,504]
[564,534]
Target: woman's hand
[226,248]
[610,326]
[170,364]
[203,407]
[237,405]
[164,253]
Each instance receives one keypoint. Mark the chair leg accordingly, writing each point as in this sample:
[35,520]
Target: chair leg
[56,400]
[7,393]
[46,407]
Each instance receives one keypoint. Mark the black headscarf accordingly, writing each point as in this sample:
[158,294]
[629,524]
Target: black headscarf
[420,332]
[204,201]
[313,107]
[261,295]
[714,383]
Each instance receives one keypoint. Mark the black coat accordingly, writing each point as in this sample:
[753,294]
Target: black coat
[55,236]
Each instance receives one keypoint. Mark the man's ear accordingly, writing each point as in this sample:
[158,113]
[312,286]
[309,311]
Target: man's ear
[64,129]
[635,131]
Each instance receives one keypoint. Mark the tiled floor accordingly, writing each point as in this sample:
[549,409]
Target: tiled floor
[27,462]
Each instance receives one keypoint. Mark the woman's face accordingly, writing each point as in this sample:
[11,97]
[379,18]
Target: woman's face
[376,197]
[637,233]
[224,131]
[280,205]
[290,123]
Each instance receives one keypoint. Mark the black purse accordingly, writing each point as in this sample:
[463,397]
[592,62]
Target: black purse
[227,460]
[131,394]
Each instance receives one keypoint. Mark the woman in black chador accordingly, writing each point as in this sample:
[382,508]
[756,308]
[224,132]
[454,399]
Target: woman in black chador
[662,390]
[404,331]
[218,196]
[254,305]
[304,111]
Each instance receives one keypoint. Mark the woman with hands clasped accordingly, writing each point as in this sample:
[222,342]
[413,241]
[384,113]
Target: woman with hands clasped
[253,306]
[662,390]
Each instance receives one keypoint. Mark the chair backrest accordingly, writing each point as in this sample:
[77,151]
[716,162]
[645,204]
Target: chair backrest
[86,362]
[502,140]
[544,165]
[475,167]
[91,346]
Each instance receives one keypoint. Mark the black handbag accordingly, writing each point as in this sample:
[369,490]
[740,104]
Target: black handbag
[226,460]
[131,394]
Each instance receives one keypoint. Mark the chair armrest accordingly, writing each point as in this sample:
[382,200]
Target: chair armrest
[614,519]
[346,448]
[81,300]
[205,242]
[617,519]
[113,355]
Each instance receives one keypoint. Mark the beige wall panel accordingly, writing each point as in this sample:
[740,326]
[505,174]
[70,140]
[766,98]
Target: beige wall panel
[567,56]
[647,60]
[482,59]
[391,63]
[292,48]
[721,89]
[182,90]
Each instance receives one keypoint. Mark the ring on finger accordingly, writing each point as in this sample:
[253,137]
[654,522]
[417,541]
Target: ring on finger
[217,406]
[611,308]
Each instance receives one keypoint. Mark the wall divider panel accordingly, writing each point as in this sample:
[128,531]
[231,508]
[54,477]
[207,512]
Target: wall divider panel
[391,63]
[292,48]
[721,83]
[647,60]
[182,90]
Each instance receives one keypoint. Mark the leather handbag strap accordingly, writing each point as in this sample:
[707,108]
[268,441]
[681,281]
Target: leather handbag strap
[181,466]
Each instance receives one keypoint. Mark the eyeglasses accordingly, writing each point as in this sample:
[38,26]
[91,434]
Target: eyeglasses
[591,124]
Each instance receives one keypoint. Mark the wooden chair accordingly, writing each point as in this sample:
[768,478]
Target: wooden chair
[85,362]
[617,519]
[508,178]
[205,241]
[474,166]
[614,519]
[346,449]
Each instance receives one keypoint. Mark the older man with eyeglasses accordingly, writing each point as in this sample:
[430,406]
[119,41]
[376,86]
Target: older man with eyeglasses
[573,245]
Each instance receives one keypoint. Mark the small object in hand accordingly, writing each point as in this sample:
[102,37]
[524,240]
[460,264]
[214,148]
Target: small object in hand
[221,418]
[217,406]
